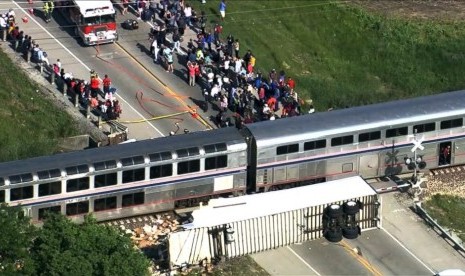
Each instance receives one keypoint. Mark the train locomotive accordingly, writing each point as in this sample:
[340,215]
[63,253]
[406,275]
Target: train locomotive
[183,170]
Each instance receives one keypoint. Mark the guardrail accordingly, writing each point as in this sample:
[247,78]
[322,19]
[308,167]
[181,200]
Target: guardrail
[447,234]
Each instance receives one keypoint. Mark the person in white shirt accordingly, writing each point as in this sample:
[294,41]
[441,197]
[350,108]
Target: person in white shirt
[215,91]
[11,12]
[188,14]
[3,26]
[155,50]
[237,65]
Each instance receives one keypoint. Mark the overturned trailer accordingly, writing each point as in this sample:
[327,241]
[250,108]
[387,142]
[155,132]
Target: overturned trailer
[231,227]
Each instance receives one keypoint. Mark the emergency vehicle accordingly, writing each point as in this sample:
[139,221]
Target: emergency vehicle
[95,20]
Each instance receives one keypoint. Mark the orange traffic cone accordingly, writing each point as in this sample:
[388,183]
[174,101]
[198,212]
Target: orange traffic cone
[25,19]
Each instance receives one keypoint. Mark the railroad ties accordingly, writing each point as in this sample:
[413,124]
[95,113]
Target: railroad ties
[447,170]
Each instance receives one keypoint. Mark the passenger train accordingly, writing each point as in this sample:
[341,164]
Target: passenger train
[183,170]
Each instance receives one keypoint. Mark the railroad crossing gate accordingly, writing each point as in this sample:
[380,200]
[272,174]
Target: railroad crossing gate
[231,227]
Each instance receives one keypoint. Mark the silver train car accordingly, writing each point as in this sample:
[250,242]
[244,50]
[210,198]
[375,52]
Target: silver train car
[370,141]
[129,179]
[184,170]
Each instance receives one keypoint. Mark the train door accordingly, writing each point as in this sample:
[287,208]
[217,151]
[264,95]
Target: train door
[368,166]
[444,153]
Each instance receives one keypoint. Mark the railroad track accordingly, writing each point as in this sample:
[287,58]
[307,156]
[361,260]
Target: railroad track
[447,170]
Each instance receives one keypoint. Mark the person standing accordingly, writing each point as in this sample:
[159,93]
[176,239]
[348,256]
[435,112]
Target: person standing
[106,84]
[125,4]
[47,12]
[223,9]
[191,69]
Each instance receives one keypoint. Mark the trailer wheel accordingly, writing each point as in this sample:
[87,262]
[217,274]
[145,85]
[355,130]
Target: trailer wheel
[334,235]
[351,208]
[351,233]
[334,211]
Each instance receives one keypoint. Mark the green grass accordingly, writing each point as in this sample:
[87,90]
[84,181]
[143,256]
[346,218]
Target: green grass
[341,55]
[29,124]
[448,211]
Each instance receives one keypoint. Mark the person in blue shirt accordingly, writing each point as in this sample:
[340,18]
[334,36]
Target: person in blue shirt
[223,9]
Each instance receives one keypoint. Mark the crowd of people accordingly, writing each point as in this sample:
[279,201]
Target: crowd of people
[96,93]
[227,76]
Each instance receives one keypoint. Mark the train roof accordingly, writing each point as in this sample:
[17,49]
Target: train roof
[230,136]
[322,124]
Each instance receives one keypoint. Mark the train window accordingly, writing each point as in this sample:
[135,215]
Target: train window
[77,208]
[161,171]
[394,132]
[133,175]
[15,179]
[343,140]
[77,169]
[102,204]
[43,211]
[216,162]
[287,149]
[2,196]
[312,145]
[133,199]
[452,123]
[49,174]
[160,156]
[103,180]
[215,148]
[187,152]
[131,161]
[369,136]
[52,188]
[424,127]
[188,166]
[21,193]
[77,184]
[106,165]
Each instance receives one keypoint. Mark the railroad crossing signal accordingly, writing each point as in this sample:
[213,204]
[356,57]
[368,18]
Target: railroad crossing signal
[417,144]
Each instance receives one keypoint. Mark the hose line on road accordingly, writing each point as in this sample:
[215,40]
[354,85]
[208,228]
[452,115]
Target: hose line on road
[151,119]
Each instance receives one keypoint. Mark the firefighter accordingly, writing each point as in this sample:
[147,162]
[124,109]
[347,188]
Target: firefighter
[47,11]
[51,5]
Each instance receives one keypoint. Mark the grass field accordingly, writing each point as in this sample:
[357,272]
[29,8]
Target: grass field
[341,55]
[448,211]
[29,124]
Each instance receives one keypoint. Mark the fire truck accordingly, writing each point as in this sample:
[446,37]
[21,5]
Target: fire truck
[95,20]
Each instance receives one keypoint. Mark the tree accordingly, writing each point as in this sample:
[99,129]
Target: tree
[65,248]
[15,240]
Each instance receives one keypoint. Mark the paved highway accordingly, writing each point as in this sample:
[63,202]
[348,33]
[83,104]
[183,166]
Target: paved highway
[145,89]
[404,246]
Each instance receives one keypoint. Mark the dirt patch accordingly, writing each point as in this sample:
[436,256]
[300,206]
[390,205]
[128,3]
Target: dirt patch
[443,10]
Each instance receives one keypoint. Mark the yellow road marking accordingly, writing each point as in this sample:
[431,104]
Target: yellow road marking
[360,259]
[170,91]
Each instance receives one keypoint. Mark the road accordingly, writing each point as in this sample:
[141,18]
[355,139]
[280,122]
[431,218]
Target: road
[144,88]
[404,246]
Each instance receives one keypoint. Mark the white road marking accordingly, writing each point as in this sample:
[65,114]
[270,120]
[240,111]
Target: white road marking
[83,64]
[410,252]
[303,261]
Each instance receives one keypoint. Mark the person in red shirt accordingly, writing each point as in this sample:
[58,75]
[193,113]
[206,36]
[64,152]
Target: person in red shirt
[94,86]
[291,83]
[106,84]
